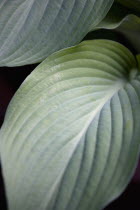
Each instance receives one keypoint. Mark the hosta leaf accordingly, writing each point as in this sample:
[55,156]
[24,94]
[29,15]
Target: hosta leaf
[120,20]
[70,140]
[31,30]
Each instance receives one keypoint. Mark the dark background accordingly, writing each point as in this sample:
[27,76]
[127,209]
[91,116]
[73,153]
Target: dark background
[10,80]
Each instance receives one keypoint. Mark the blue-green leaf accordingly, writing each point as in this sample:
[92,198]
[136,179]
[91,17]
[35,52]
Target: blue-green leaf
[70,139]
[30,30]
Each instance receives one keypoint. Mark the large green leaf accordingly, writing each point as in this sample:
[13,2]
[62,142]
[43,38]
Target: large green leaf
[121,20]
[30,30]
[71,136]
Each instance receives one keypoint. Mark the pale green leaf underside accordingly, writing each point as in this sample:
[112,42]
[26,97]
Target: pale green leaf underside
[70,139]
[30,30]
[120,20]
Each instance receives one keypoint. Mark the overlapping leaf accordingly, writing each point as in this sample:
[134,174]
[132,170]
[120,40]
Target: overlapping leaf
[70,140]
[125,22]
[30,30]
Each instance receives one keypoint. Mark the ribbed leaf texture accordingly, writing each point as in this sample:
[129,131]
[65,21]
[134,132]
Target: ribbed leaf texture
[71,136]
[30,30]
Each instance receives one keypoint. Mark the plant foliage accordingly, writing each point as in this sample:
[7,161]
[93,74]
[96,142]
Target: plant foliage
[72,131]
[71,135]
